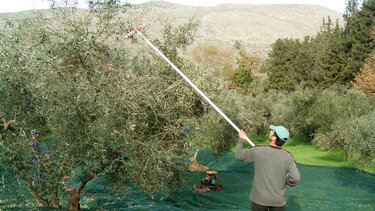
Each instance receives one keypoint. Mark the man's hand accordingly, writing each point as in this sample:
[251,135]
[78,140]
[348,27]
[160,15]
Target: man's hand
[242,134]
[290,181]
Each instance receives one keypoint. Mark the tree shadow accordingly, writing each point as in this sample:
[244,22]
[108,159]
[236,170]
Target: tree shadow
[333,157]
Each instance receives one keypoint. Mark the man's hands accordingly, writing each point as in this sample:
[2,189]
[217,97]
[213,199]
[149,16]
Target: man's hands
[290,181]
[242,134]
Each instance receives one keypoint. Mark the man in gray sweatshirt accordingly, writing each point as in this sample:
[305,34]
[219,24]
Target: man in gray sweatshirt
[274,168]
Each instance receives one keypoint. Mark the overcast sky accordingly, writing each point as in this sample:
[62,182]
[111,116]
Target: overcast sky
[20,5]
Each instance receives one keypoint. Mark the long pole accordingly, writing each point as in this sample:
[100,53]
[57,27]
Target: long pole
[187,79]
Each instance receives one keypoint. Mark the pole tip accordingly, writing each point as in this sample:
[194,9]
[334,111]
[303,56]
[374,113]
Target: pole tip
[134,31]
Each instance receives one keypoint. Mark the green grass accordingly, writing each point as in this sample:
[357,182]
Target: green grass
[306,153]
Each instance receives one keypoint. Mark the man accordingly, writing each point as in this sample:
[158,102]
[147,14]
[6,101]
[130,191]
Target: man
[274,168]
[34,143]
[37,157]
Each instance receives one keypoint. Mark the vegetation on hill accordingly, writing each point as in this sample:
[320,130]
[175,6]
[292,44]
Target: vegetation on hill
[256,26]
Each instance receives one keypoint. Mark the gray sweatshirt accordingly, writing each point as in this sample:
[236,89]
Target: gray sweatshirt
[274,168]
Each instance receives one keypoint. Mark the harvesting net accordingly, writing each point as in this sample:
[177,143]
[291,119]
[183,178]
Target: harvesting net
[321,188]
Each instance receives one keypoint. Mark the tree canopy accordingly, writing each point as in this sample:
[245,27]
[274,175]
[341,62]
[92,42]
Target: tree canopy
[111,108]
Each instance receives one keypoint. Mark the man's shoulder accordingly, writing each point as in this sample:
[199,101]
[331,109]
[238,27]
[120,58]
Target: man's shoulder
[260,147]
[288,153]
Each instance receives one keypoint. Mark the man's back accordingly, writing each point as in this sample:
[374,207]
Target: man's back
[271,167]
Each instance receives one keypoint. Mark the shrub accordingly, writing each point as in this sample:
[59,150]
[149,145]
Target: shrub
[212,57]
[247,112]
[356,137]
[334,104]
[309,111]
[293,110]
[361,139]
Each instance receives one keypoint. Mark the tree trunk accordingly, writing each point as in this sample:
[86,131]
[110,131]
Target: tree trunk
[75,198]
[55,200]
[74,201]
[41,201]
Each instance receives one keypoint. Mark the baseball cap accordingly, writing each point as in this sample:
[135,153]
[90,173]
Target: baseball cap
[281,132]
[34,131]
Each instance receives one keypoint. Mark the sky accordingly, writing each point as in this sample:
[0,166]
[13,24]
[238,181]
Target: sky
[21,5]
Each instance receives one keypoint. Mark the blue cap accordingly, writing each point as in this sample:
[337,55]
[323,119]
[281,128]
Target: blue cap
[281,132]
[34,131]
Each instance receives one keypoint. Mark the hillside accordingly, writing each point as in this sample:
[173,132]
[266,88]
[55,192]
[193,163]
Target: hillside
[256,26]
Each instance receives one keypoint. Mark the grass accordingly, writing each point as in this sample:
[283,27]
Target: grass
[306,153]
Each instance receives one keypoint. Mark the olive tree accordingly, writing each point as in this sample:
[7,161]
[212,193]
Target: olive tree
[112,105]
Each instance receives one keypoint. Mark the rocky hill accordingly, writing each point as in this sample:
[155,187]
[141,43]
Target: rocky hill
[255,26]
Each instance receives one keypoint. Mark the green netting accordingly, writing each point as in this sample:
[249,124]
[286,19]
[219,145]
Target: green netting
[321,188]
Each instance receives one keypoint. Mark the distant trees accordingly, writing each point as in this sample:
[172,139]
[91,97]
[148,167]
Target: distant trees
[237,66]
[333,57]
[241,75]
[358,37]
[289,64]
[318,61]
[213,57]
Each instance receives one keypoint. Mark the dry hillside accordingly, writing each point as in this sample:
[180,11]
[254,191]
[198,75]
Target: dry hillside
[256,26]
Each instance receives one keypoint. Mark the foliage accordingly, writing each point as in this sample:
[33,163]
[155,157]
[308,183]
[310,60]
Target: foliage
[355,136]
[240,68]
[365,80]
[283,72]
[242,76]
[329,57]
[308,113]
[293,110]
[333,57]
[317,61]
[358,39]
[212,57]
[328,117]
[247,112]
[114,110]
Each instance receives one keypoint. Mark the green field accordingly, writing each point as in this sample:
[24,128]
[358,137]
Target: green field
[306,153]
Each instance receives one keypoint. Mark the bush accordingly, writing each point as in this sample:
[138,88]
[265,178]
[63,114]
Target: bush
[293,110]
[361,139]
[248,112]
[309,111]
[212,57]
[355,137]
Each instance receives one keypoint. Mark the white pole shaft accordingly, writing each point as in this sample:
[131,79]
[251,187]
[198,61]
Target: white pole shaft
[194,86]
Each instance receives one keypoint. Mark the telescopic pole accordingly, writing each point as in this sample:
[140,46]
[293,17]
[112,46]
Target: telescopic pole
[138,30]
